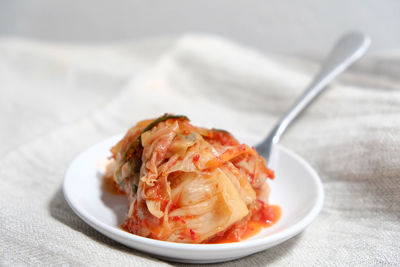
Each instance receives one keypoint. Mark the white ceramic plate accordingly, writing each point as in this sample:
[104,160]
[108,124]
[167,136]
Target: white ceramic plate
[297,189]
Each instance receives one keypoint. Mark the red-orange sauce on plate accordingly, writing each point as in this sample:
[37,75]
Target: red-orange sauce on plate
[111,187]
[267,216]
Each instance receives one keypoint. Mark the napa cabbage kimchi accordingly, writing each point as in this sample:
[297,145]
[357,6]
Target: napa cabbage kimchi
[189,184]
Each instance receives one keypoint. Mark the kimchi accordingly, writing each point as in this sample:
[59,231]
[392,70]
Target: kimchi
[189,184]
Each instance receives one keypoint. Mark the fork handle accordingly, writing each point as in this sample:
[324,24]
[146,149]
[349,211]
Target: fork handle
[346,51]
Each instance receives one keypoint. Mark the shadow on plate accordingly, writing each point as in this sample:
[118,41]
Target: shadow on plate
[116,202]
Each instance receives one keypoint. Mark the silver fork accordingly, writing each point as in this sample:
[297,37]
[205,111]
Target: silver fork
[347,50]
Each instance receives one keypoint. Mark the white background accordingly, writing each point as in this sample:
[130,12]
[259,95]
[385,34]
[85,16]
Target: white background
[305,28]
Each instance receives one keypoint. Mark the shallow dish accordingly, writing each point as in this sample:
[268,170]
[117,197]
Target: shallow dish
[297,189]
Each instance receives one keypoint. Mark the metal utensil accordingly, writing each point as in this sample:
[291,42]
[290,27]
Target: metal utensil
[347,50]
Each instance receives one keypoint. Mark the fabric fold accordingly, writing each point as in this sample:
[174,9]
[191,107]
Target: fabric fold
[56,100]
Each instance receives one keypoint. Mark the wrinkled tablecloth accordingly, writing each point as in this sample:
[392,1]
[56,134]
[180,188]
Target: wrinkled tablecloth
[58,99]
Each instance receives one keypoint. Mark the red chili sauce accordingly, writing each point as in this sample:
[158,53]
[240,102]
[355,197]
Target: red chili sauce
[267,216]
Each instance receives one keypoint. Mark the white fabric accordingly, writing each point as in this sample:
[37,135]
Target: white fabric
[58,99]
